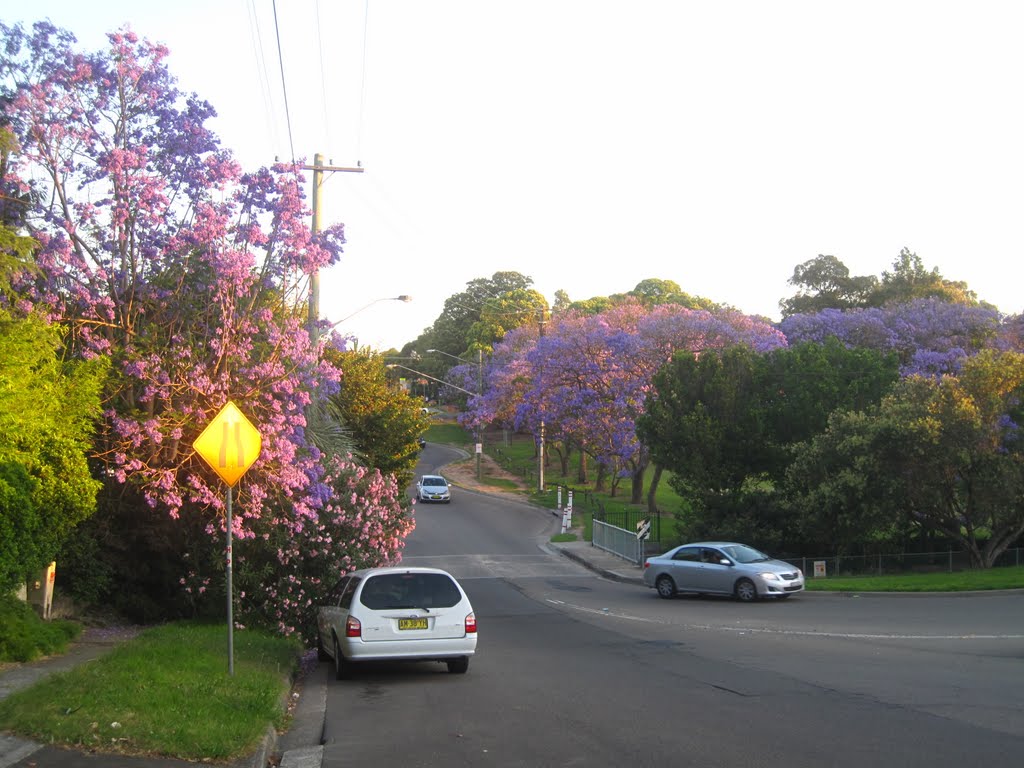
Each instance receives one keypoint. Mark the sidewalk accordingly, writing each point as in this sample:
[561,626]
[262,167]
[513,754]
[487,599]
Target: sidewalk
[299,747]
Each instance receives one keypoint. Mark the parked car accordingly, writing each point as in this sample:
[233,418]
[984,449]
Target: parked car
[433,488]
[397,614]
[722,568]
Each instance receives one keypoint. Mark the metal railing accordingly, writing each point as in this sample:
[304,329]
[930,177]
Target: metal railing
[617,541]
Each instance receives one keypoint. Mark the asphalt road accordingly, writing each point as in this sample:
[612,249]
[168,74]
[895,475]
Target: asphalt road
[575,670]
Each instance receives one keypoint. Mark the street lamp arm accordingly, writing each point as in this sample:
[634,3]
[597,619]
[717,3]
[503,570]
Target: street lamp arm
[403,298]
[433,378]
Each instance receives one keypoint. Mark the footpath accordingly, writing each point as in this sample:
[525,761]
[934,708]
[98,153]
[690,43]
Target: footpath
[298,747]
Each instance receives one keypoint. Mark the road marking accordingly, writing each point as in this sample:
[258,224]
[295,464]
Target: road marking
[769,631]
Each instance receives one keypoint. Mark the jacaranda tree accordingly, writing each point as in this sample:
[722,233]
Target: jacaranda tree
[158,252]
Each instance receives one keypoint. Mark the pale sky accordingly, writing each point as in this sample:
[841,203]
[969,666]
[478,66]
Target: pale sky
[591,144]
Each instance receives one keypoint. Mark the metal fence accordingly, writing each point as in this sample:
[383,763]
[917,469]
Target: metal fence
[617,541]
[888,564]
[615,532]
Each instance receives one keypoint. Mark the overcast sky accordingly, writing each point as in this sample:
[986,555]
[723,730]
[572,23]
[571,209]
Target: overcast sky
[591,144]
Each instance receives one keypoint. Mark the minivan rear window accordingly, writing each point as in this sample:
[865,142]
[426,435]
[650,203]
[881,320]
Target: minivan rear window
[409,590]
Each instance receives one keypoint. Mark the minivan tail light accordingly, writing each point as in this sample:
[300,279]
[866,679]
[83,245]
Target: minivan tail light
[471,624]
[353,628]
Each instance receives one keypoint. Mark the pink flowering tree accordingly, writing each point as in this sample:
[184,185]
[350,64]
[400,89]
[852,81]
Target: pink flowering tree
[159,252]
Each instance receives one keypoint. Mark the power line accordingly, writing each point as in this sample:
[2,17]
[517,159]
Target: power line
[323,75]
[362,90]
[261,66]
[284,86]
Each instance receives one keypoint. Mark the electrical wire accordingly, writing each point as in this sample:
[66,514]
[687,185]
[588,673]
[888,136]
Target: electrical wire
[323,76]
[284,86]
[362,90]
[261,66]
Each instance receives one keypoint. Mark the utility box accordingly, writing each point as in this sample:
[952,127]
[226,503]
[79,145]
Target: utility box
[40,591]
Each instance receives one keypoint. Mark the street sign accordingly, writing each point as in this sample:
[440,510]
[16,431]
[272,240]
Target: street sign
[643,529]
[230,444]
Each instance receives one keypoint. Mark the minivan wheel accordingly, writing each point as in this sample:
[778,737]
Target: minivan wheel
[746,592]
[342,668]
[666,587]
[458,666]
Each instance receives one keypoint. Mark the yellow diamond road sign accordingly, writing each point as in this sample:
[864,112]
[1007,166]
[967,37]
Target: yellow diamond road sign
[230,444]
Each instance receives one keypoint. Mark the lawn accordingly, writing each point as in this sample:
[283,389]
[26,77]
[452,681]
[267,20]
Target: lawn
[166,692]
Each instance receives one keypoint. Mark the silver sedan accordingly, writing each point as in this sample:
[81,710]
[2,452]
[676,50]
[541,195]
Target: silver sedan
[722,568]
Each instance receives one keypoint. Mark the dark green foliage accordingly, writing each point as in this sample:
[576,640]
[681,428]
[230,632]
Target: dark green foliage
[726,425]
[24,636]
[825,282]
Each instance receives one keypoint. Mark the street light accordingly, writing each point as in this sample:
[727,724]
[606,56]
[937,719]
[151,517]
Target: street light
[402,298]
[314,329]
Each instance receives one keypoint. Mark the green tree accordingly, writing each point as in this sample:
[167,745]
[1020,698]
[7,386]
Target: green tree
[946,454]
[825,282]
[384,421]
[909,280]
[47,412]
[798,387]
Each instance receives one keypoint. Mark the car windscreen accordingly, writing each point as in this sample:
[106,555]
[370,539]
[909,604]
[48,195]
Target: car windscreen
[434,481]
[744,554]
[409,590]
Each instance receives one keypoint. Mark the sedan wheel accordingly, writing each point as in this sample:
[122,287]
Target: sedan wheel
[458,666]
[342,668]
[666,587]
[746,592]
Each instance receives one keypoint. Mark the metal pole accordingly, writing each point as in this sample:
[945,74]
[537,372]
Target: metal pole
[540,445]
[480,391]
[231,621]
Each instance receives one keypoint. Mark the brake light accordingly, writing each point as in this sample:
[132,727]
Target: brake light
[647,563]
[471,623]
[353,628]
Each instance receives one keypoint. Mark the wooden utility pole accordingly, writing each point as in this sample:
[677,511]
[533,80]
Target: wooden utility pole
[318,169]
[540,442]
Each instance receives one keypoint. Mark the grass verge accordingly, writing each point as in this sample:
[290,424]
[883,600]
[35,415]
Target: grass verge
[166,692]
[24,636]
[1011,577]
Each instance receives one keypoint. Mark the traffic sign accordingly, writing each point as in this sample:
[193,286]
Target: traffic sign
[643,529]
[230,444]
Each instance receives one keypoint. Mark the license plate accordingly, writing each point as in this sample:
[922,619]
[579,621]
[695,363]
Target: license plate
[412,623]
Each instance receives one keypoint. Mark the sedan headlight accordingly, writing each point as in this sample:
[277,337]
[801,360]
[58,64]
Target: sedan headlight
[769,576]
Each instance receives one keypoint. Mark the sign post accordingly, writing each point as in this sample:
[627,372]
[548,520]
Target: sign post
[230,444]
[643,532]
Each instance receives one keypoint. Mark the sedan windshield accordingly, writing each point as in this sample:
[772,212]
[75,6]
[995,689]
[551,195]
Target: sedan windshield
[434,481]
[744,554]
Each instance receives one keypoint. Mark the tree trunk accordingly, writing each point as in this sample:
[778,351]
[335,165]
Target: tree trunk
[602,472]
[563,456]
[652,507]
[638,483]
[581,476]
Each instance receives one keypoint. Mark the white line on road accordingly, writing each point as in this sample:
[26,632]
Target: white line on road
[770,631]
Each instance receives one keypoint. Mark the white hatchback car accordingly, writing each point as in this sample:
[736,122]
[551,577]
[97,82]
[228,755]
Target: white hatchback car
[399,614]
[433,488]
